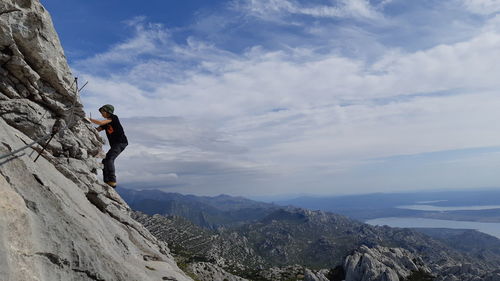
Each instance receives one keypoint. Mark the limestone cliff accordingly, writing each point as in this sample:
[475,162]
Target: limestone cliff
[382,263]
[57,220]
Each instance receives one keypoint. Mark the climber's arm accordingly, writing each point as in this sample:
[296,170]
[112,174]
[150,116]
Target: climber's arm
[100,122]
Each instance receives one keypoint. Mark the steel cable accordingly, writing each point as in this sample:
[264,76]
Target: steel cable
[54,131]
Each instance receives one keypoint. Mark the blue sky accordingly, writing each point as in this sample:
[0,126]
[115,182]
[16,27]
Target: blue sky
[268,97]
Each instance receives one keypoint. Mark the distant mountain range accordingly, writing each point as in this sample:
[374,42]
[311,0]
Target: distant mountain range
[255,245]
[369,206]
[209,212]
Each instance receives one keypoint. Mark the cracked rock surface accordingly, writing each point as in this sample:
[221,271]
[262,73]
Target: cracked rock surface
[57,220]
[382,263]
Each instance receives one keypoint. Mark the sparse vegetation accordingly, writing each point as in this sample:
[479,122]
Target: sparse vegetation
[336,274]
[420,276]
[183,265]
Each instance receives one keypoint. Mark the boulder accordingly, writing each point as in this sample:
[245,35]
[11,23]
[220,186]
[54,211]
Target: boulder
[381,264]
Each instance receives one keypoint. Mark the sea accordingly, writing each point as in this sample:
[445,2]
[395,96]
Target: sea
[413,222]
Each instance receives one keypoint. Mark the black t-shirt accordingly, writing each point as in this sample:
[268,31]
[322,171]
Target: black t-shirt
[114,131]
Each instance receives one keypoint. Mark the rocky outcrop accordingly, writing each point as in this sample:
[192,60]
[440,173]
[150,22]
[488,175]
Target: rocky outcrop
[382,264]
[395,264]
[57,221]
[36,85]
[466,272]
[310,275]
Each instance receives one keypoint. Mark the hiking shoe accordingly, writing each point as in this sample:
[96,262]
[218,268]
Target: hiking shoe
[111,183]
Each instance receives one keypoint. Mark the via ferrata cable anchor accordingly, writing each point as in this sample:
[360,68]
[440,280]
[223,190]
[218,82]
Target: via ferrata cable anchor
[57,127]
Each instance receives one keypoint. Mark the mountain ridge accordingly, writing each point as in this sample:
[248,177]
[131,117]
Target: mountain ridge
[210,212]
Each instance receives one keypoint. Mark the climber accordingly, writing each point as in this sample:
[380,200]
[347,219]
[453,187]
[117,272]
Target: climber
[117,140]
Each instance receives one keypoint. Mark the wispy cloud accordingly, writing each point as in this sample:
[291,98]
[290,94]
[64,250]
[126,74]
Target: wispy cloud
[271,9]
[484,7]
[147,40]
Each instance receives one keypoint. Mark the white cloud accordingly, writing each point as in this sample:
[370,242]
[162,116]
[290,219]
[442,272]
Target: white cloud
[148,39]
[485,7]
[270,9]
[291,117]
[259,81]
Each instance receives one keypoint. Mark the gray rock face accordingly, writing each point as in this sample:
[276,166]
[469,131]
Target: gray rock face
[36,85]
[309,275]
[381,264]
[57,221]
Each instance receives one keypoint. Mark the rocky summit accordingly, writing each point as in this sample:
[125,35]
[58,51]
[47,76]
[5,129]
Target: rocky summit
[57,220]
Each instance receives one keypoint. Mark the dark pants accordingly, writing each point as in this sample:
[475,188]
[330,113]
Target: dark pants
[109,161]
